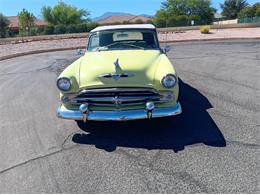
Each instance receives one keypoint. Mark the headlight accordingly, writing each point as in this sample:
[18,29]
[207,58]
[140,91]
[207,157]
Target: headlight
[64,84]
[169,81]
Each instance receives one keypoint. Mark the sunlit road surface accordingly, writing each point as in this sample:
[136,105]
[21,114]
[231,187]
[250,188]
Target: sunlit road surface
[213,147]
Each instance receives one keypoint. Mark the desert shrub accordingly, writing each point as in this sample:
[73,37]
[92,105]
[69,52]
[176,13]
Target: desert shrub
[33,31]
[39,30]
[181,20]
[126,22]
[72,28]
[4,24]
[204,29]
[82,27]
[48,30]
[91,25]
[86,27]
[150,21]
[11,34]
[139,21]
[36,31]
[59,29]
[195,18]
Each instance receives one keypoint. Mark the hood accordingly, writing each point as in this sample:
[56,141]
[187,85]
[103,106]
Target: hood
[140,65]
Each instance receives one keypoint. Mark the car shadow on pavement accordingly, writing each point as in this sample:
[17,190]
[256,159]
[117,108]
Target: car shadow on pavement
[193,126]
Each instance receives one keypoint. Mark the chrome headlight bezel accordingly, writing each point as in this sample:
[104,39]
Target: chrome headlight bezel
[172,77]
[59,84]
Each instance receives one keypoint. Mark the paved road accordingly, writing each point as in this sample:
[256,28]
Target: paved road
[213,147]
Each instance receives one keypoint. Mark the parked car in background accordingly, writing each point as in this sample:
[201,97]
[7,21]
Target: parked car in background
[124,75]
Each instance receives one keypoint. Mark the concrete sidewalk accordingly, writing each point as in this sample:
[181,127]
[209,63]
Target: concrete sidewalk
[215,34]
[11,50]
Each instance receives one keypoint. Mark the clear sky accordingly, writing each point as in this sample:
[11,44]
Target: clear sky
[96,7]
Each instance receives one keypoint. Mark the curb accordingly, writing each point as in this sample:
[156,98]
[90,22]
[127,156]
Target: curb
[215,39]
[19,40]
[38,52]
[83,47]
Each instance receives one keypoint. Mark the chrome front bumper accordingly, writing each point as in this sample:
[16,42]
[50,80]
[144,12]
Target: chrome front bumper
[119,115]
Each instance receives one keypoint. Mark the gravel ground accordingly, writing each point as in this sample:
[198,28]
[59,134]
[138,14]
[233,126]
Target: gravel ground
[212,147]
[11,49]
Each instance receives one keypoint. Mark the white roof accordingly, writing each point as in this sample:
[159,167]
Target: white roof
[127,26]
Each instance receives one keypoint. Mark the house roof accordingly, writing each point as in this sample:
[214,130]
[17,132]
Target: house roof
[127,26]
[217,16]
[14,22]
[121,19]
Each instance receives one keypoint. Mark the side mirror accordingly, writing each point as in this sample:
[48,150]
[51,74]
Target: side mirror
[167,48]
[80,52]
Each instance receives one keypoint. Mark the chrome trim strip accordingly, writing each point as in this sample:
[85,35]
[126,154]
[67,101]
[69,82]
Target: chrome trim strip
[120,98]
[117,96]
[119,115]
[112,90]
[116,76]
[114,106]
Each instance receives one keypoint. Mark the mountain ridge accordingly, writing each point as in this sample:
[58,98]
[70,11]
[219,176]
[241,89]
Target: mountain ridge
[109,14]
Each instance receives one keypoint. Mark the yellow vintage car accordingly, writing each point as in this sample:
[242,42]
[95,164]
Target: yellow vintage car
[123,75]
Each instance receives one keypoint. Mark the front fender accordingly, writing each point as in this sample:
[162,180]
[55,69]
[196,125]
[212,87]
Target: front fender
[72,72]
[163,68]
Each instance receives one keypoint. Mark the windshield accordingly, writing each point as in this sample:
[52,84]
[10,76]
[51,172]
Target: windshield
[123,39]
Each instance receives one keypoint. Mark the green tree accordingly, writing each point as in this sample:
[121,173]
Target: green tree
[246,12]
[64,14]
[257,13]
[231,8]
[26,22]
[250,11]
[4,24]
[256,8]
[161,18]
[181,12]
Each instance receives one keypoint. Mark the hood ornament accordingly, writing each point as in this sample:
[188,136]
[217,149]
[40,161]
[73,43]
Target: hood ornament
[117,66]
[117,101]
[117,73]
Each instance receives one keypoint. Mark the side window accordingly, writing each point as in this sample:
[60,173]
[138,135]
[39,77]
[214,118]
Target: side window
[149,38]
[94,42]
[105,39]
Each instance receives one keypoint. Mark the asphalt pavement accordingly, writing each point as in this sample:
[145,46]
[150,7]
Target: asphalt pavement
[212,147]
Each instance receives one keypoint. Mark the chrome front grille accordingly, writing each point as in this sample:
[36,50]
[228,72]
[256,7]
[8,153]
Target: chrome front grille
[113,97]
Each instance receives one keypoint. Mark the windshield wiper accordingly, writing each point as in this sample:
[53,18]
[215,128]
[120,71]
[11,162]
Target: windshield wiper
[101,48]
[109,45]
[104,48]
[124,43]
[132,45]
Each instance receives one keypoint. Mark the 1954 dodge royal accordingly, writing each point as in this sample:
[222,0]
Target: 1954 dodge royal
[124,75]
